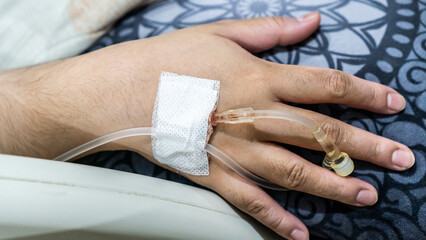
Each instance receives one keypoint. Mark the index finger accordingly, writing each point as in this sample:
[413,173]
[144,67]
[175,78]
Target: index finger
[312,85]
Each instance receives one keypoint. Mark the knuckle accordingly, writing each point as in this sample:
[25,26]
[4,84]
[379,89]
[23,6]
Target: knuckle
[374,97]
[275,222]
[260,78]
[336,132]
[277,22]
[295,175]
[374,150]
[338,192]
[259,72]
[263,212]
[338,83]
[255,207]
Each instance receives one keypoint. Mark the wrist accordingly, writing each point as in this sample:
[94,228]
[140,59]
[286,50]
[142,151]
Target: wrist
[118,95]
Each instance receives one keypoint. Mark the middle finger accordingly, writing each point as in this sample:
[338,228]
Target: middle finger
[358,143]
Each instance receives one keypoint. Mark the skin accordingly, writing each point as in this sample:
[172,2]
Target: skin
[57,106]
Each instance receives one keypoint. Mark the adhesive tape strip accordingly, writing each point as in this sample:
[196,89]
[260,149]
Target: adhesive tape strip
[181,120]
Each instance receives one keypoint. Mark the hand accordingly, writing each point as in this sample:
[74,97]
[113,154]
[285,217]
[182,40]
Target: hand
[114,88]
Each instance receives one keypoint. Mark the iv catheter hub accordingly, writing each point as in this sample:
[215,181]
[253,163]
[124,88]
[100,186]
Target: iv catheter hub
[334,159]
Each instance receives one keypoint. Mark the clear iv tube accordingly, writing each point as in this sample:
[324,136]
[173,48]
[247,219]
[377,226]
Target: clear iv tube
[232,164]
[322,138]
[132,132]
[339,161]
[273,114]
[147,131]
[334,159]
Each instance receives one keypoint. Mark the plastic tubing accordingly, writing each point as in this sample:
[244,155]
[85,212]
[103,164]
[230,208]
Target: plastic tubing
[240,170]
[334,159]
[148,131]
[132,132]
[339,161]
[283,115]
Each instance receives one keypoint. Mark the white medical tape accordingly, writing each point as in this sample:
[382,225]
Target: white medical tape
[181,121]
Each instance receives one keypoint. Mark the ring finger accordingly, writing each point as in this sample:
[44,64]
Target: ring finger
[287,169]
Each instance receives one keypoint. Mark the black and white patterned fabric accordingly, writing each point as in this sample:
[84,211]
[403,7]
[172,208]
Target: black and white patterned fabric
[380,40]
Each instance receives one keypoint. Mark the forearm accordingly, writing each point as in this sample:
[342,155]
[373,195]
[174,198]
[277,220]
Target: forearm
[33,120]
[51,108]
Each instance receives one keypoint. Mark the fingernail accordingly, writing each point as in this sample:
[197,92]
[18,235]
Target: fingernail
[396,102]
[298,235]
[403,159]
[308,17]
[366,197]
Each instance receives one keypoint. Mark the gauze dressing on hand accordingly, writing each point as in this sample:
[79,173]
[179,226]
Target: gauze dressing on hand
[181,119]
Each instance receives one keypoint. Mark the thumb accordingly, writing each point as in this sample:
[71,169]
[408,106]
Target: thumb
[259,34]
